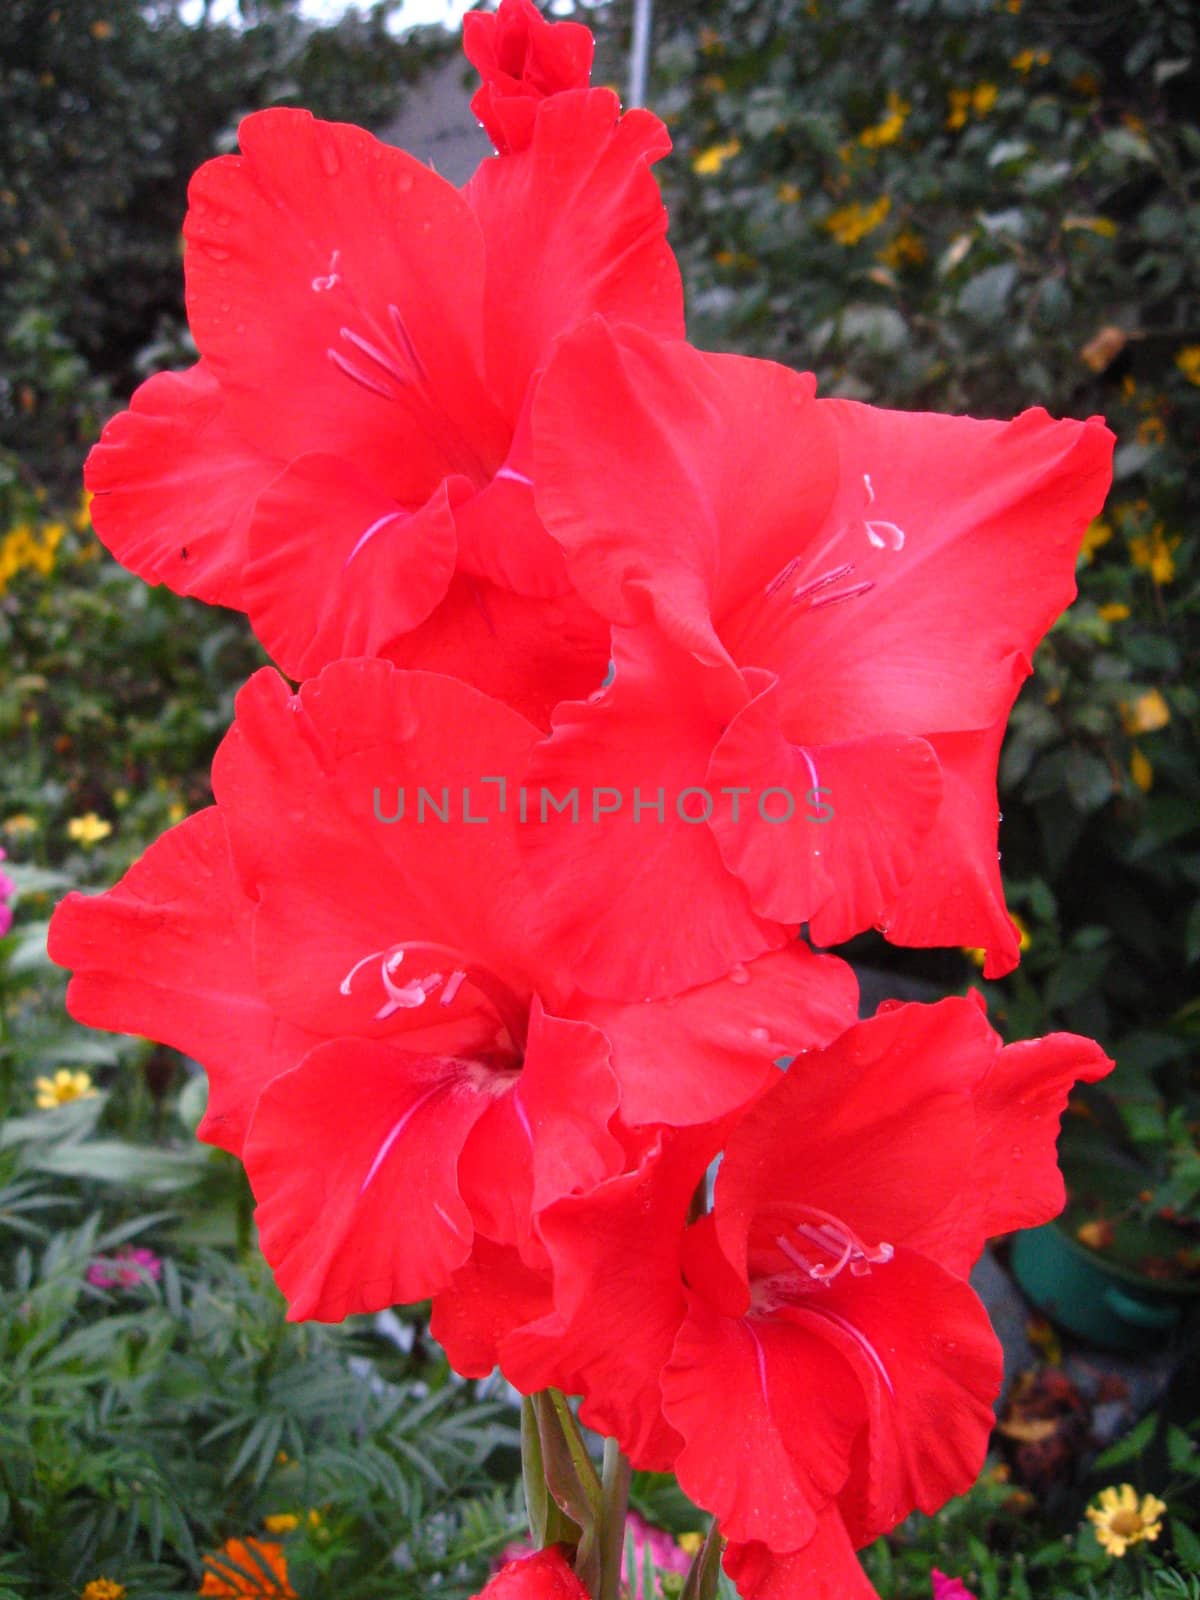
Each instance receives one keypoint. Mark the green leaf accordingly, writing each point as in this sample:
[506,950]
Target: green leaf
[1128,1448]
[118,1161]
[1187,1546]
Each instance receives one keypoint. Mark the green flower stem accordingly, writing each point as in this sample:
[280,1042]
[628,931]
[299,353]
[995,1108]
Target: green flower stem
[614,1507]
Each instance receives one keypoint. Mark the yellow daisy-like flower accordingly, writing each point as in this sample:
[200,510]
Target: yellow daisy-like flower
[20,826]
[1154,553]
[851,223]
[62,1088]
[1188,362]
[1098,533]
[81,519]
[103,1589]
[960,105]
[88,829]
[1146,714]
[905,250]
[1141,771]
[983,98]
[1151,431]
[1115,611]
[1025,60]
[1024,940]
[891,127]
[1121,1520]
[281,1522]
[710,161]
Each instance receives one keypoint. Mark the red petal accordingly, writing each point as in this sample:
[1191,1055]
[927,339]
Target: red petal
[573,225]
[708,1051]
[166,954]
[300,779]
[618,1297]
[529,653]
[353,1158]
[796,1406]
[338,569]
[1014,1180]
[705,527]
[321,252]
[490,1295]
[618,869]
[875,1130]
[930,1367]
[548,1136]
[988,516]
[954,895]
[828,833]
[826,1568]
[174,485]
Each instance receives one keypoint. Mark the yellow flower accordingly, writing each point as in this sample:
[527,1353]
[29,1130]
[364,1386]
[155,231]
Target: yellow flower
[103,1589]
[690,1543]
[714,83]
[1141,771]
[1114,611]
[1151,431]
[1024,940]
[1104,227]
[176,811]
[1121,1520]
[707,162]
[101,29]
[890,129]
[81,520]
[1014,6]
[1098,533]
[20,826]
[62,1088]
[88,830]
[1146,714]
[1188,362]
[1025,60]
[789,194]
[983,98]
[905,250]
[1155,553]
[851,223]
[960,103]
[281,1522]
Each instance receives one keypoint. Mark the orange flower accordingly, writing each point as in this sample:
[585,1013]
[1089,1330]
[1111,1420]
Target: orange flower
[248,1569]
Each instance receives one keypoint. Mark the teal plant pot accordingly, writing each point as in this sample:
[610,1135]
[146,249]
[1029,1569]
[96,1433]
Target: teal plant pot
[1096,1300]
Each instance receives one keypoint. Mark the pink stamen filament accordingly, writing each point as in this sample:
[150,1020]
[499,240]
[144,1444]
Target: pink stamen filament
[409,996]
[833,1238]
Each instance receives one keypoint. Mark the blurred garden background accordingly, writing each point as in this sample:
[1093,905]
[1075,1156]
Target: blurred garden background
[959,205]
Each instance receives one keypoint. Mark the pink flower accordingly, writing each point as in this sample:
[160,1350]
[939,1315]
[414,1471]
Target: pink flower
[945,1588]
[665,1553]
[7,888]
[126,1269]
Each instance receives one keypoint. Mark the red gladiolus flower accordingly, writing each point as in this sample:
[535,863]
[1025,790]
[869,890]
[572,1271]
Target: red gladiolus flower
[349,943]
[824,613]
[350,461]
[544,1575]
[522,58]
[824,1300]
